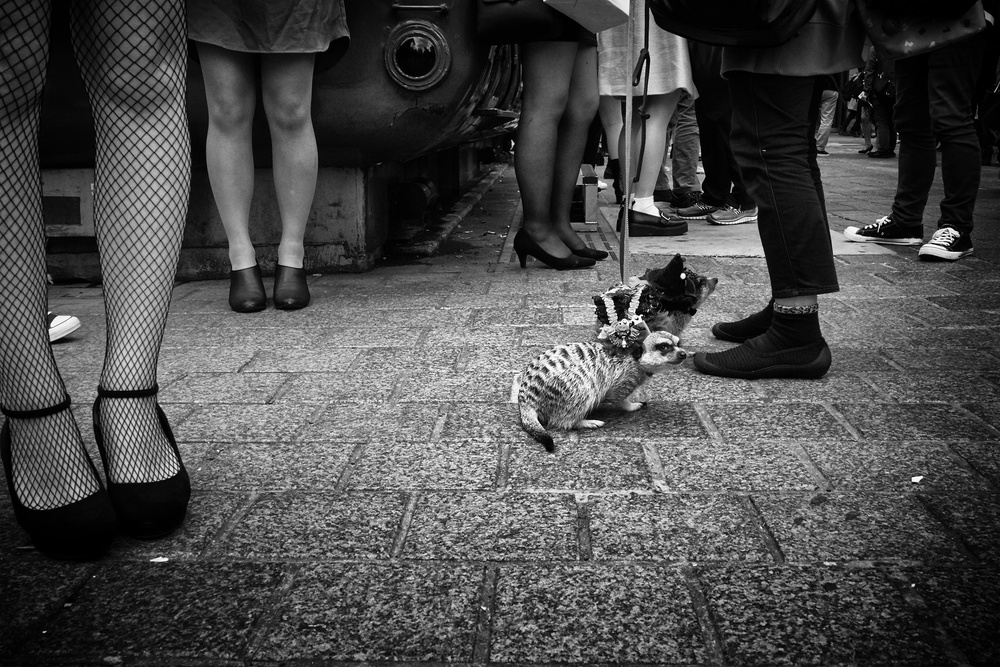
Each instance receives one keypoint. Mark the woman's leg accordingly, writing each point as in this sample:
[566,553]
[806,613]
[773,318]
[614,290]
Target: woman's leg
[610,111]
[660,109]
[49,465]
[286,82]
[581,107]
[133,56]
[546,71]
[232,96]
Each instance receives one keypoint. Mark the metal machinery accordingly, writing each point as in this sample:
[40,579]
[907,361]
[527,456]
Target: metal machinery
[400,117]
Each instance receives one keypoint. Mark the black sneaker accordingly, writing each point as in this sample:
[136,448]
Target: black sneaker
[684,200]
[948,244]
[885,231]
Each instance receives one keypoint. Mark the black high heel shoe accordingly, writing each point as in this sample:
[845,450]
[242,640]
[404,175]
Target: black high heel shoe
[146,510]
[524,245]
[589,253]
[290,289]
[246,290]
[82,530]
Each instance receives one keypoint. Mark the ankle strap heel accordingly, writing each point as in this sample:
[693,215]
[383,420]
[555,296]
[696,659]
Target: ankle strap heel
[82,530]
[146,510]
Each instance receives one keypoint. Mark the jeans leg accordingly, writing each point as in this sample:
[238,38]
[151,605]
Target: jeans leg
[686,147]
[774,142]
[951,80]
[917,150]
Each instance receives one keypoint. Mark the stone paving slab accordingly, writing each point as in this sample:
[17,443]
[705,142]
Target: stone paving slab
[363,493]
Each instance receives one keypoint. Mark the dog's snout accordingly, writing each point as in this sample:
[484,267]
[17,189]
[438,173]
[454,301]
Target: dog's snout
[681,354]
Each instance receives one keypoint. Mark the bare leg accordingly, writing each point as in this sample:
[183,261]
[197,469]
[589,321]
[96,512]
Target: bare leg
[287,81]
[232,96]
[660,109]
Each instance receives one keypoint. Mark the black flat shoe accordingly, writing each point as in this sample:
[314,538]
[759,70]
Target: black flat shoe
[644,224]
[590,253]
[146,510]
[82,530]
[867,149]
[290,289]
[246,290]
[525,246]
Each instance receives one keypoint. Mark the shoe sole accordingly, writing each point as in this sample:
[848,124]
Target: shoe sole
[64,329]
[851,236]
[933,254]
[737,221]
[812,371]
[657,230]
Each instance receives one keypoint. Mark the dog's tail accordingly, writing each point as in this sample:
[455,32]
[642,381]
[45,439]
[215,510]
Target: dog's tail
[534,428]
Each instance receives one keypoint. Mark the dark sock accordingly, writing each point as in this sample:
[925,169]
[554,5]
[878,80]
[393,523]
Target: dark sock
[790,328]
[747,328]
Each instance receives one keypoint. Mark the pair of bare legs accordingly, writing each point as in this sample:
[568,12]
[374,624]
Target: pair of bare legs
[660,109]
[558,104]
[133,58]
[286,89]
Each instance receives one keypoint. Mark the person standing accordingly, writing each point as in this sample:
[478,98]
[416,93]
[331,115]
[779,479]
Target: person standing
[668,78]
[283,38]
[934,93]
[775,94]
[133,58]
[558,104]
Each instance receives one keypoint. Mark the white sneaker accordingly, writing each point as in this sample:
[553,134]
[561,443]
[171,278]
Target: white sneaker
[61,325]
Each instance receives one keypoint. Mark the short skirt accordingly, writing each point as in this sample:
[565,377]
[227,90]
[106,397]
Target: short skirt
[272,26]
[669,62]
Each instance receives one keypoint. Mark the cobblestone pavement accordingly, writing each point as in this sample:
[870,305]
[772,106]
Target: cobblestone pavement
[363,492]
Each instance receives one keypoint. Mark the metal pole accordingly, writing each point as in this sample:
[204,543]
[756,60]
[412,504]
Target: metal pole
[635,8]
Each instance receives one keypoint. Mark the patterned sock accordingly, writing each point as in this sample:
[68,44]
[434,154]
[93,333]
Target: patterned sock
[791,327]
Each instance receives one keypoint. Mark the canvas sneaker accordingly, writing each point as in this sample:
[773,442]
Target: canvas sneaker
[61,326]
[885,231]
[948,244]
[730,215]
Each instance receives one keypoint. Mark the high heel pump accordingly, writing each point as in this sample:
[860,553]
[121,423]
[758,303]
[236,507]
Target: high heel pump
[524,246]
[146,510]
[246,290]
[290,289]
[82,530]
[589,253]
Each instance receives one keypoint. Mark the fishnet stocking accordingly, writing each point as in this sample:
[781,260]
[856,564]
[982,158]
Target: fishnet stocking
[133,55]
[50,466]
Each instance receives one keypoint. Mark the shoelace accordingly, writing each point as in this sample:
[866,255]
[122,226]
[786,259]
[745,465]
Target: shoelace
[945,236]
[879,224]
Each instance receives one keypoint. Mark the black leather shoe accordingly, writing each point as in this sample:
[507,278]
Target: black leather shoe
[882,154]
[246,290]
[525,246]
[290,289]
[590,253]
[146,510]
[644,224]
[82,530]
